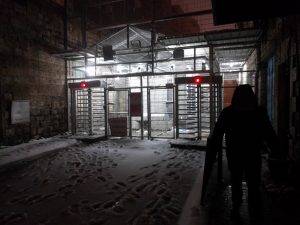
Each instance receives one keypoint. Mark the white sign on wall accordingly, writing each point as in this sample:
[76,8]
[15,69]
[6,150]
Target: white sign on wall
[20,111]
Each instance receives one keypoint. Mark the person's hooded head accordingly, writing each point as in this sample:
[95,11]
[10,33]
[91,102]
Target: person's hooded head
[244,98]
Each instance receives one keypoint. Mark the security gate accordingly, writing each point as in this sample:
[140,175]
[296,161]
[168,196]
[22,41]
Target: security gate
[198,103]
[161,112]
[88,113]
[187,109]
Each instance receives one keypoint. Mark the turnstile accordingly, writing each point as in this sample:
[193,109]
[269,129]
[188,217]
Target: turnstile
[88,108]
[198,103]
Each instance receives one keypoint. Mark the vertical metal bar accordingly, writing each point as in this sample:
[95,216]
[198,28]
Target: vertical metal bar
[106,112]
[1,111]
[220,106]
[90,111]
[258,68]
[66,95]
[211,91]
[176,115]
[129,113]
[96,60]
[198,112]
[152,70]
[194,59]
[73,112]
[128,36]
[211,60]
[85,65]
[214,103]
[149,112]
[210,108]
[142,108]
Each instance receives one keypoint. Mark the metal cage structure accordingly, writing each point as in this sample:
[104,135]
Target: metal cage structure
[145,63]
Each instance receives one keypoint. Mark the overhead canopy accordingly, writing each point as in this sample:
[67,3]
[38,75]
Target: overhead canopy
[132,45]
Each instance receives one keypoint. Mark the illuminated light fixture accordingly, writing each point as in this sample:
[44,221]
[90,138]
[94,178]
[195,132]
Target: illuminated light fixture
[83,85]
[198,80]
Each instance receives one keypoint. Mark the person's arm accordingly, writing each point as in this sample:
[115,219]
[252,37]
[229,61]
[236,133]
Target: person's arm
[215,140]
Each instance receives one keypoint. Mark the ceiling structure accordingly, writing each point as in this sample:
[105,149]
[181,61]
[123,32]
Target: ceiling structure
[135,28]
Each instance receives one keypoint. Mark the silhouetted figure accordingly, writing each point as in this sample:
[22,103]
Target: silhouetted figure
[246,127]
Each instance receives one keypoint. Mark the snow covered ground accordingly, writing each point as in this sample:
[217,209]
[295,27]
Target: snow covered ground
[114,182]
[34,148]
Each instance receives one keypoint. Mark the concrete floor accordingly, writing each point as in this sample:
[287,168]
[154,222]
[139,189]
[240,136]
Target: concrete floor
[111,182]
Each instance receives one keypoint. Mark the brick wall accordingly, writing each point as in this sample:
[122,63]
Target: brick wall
[29,32]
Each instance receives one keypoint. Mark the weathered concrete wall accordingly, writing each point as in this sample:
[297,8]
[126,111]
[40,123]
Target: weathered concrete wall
[281,39]
[29,32]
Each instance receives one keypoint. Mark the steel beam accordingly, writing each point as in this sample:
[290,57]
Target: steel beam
[149,21]
[146,61]
[141,74]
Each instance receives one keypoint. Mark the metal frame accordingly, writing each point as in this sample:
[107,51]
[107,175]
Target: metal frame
[129,134]
[214,46]
[173,112]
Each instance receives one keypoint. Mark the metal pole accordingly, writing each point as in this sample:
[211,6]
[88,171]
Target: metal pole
[128,36]
[198,111]
[85,65]
[96,60]
[211,90]
[129,113]
[66,93]
[220,154]
[194,59]
[152,69]
[176,112]
[258,65]
[142,108]
[200,119]
[105,112]
[73,112]
[1,110]
[149,113]
[211,59]
[90,111]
